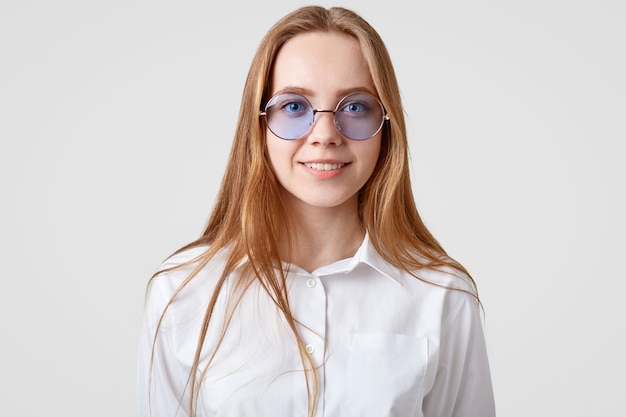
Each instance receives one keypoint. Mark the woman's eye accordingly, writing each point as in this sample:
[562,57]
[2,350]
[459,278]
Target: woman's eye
[294,107]
[355,107]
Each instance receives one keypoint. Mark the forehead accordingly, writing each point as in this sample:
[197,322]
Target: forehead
[326,64]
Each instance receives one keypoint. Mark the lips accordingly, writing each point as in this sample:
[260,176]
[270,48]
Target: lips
[324,166]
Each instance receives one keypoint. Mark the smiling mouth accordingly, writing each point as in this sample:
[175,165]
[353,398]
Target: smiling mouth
[319,166]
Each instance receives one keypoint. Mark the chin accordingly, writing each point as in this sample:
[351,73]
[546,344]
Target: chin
[328,203]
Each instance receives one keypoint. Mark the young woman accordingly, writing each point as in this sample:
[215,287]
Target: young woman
[315,289]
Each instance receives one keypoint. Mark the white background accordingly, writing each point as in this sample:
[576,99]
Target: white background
[116,118]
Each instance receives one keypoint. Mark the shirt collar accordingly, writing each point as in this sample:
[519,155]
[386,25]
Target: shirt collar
[366,254]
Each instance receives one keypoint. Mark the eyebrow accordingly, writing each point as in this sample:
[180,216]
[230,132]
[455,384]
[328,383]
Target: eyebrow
[308,92]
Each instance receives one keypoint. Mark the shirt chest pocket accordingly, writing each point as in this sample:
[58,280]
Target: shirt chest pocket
[385,374]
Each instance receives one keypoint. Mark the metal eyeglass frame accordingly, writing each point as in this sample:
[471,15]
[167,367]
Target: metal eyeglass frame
[385,116]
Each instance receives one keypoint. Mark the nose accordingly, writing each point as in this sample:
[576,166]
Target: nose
[324,131]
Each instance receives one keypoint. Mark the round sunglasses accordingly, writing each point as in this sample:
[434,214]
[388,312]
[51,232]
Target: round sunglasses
[358,116]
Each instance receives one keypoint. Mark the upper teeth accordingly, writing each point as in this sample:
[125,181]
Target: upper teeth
[323,167]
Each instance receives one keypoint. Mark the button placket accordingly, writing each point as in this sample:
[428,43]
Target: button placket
[308,305]
[314,336]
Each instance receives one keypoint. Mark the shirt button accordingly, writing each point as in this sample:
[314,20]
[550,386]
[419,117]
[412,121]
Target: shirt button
[310,283]
[310,349]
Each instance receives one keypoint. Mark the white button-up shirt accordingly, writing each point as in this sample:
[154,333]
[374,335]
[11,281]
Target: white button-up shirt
[384,342]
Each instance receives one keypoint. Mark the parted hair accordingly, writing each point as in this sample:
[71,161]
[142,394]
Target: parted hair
[249,219]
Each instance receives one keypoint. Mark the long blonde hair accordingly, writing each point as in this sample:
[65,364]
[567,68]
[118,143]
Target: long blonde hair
[248,217]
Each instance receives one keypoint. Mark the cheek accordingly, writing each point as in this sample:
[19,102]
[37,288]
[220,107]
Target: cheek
[370,160]
[271,147]
[279,152]
[372,153]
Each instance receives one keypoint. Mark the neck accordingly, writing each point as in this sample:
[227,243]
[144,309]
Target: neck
[323,235]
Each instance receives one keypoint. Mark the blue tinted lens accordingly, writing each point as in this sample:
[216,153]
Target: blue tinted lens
[289,115]
[359,116]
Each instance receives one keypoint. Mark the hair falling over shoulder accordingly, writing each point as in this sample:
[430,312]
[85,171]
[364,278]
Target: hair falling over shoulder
[248,217]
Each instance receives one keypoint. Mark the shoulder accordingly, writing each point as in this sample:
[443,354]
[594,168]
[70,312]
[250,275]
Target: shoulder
[174,270]
[443,291]
[447,277]
[183,256]
[185,281]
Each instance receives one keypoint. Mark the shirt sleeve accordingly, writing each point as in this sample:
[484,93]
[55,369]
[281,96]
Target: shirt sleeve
[462,386]
[160,378]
